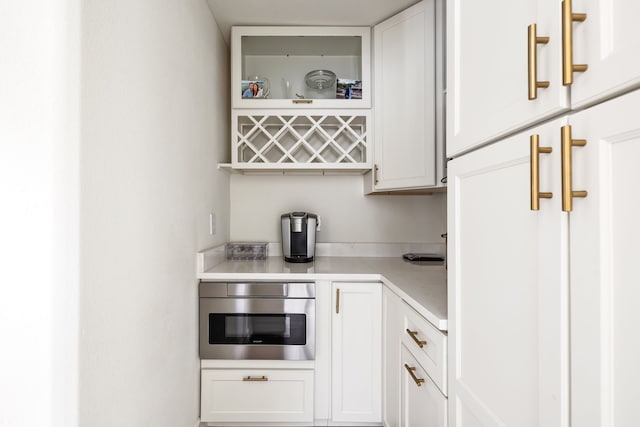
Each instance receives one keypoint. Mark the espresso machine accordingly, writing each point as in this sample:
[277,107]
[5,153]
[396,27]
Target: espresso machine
[299,236]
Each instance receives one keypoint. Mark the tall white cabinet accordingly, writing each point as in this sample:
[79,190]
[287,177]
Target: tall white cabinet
[541,284]
[543,302]
[508,289]
[603,264]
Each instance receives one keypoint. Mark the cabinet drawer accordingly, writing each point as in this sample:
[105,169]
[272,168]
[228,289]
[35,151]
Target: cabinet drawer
[230,395]
[422,402]
[427,344]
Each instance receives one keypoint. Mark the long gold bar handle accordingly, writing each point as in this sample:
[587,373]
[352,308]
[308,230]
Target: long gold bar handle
[302,101]
[417,380]
[414,335]
[568,67]
[534,40]
[250,378]
[337,300]
[536,195]
[375,174]
[567,143]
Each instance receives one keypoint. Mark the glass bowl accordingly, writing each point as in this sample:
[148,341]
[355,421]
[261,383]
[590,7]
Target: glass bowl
[320,79]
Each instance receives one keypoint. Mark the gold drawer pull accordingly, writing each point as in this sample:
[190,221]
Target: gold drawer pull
[414,335]
[536,195]
[410,369]
[568,67]
[567,143]
[534,41]
[302,101]
[250,378]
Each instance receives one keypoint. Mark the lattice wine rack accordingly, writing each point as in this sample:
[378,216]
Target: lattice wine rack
[294,139]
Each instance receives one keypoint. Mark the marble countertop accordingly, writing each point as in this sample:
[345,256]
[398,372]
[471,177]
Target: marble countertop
[422,286]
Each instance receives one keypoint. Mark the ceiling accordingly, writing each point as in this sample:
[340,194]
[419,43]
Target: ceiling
[303,12]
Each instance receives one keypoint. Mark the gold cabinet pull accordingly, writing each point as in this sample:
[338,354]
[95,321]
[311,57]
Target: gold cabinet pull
[414,335]
[250,378]
[417,380]
[534,41]
[302,101]
[337,300]
[375,174]
[567,143]
[568,67]
[536,195]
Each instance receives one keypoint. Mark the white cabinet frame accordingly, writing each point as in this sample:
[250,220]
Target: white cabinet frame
[236,66]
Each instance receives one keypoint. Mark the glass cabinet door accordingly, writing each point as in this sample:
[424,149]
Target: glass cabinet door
[309,67]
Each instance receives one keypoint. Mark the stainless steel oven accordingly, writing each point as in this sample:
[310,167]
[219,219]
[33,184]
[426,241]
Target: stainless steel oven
[257,320]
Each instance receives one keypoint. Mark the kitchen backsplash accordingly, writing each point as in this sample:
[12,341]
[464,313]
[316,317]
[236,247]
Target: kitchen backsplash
[257,201]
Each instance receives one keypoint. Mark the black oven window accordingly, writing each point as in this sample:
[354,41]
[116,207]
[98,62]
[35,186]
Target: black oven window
[284,329]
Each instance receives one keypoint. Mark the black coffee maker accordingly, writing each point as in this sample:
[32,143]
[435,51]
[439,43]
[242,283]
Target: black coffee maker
[299,236]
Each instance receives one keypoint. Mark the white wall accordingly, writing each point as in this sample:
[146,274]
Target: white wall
[257,201]
[155,123]
[39,65]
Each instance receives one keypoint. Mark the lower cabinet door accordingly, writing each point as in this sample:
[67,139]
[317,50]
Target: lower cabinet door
[422,402]
[230,395]
[356,361]
[508,285]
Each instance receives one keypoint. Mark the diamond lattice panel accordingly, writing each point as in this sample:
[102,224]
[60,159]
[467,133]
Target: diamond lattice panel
[321,138]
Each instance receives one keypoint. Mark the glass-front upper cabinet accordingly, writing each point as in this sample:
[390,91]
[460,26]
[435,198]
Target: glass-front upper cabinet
[300,67]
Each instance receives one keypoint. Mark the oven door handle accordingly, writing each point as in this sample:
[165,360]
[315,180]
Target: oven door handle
[275,290]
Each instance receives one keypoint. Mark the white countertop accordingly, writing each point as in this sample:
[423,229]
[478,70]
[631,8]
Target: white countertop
[423,287]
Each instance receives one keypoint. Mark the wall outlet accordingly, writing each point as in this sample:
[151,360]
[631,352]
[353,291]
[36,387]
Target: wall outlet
[212,224]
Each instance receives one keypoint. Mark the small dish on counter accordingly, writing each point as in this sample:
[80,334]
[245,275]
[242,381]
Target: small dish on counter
[246,251]
[423,257]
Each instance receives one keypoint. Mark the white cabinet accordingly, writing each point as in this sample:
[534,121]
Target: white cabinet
[543,302]
[407,82]
[608,42]
[487,63]
[603,264]
[422,403]
[428,345]
[490,64]
[356,352]
[508,290]
[301,98]
[255,396]
[414,375]
[391,357]
[281,60]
